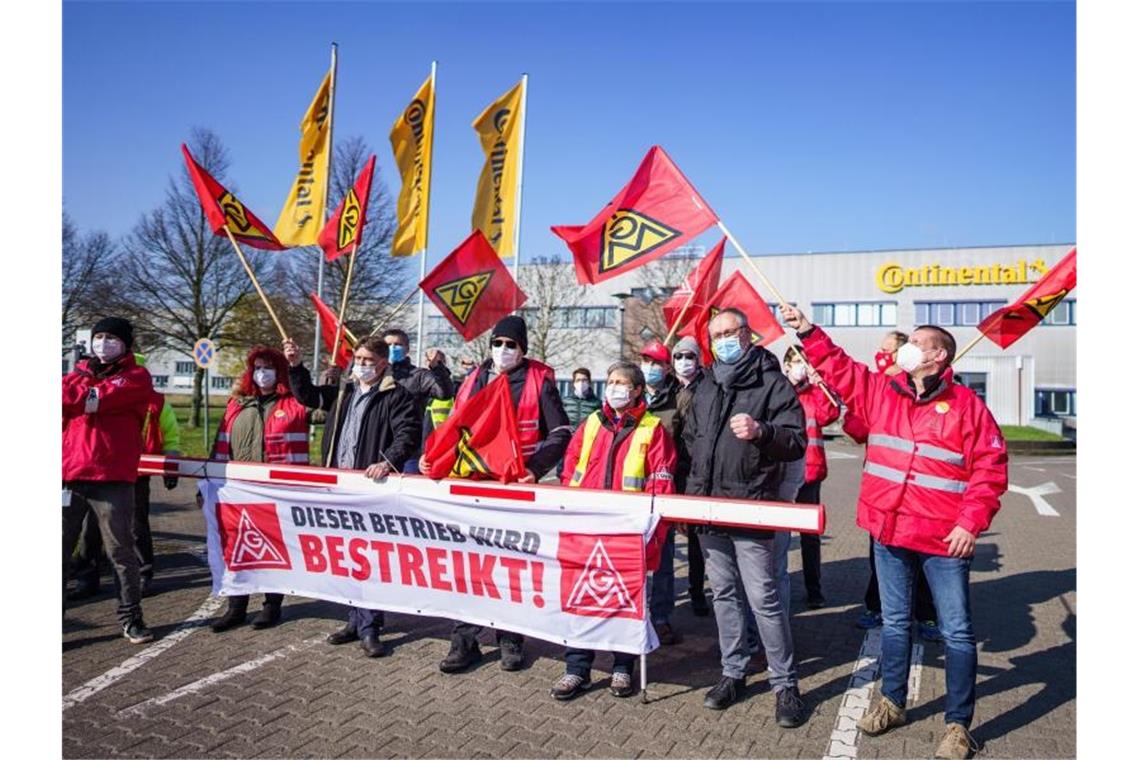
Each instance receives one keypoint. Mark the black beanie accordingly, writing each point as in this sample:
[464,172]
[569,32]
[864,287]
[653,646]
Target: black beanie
[511,327]
[118,327]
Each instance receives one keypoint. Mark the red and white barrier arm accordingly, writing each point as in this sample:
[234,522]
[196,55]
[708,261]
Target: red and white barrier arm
[737,513]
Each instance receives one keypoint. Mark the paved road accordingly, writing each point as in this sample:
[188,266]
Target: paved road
[283,692]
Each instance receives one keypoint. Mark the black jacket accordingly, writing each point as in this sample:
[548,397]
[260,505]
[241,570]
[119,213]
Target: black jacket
[724,465]
[684,401]
[664,403]
[554,428]
[391,424]
[423,383]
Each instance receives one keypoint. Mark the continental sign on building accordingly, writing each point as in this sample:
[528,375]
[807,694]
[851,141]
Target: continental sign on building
[892,277]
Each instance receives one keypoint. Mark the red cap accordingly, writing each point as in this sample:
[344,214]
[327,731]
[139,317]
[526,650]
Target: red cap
[656,351]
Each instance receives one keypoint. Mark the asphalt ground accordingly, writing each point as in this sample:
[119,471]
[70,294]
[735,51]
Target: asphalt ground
[284,692]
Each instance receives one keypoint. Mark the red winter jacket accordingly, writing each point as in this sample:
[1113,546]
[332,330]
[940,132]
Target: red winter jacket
[818,414]
[932,462]
[102,431]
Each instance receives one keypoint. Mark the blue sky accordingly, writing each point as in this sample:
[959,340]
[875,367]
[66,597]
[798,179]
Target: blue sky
[806,126]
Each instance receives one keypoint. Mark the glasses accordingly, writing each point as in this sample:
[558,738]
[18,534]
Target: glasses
[727,333]
[685,356]
[501,343]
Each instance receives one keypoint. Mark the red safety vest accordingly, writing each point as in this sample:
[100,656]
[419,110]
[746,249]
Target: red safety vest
[527,411]
[286,432]
[152,430]
[818,414]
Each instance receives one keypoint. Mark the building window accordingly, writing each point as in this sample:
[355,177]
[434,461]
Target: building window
[867,314]
[221,383]
[975,381]
[160,381]
[1064,313]
[184,368]
[951,313]
[1056,402]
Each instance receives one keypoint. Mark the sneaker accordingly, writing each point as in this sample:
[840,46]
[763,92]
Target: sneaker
[666,635]
[621,685]
[816,601]
[136,632]
[343,636]
[568,687]
[510,654]
[884,716]
[373,646]
[790,711]
[460,657]
[956,743]
[869,620]
[267,617]
[928,631]
[724,693]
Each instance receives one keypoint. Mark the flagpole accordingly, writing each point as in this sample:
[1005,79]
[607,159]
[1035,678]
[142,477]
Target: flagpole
[519,184]
[344,298]
[395,311]
[256,284]
[427,221]
[323,211]
[779,297]
[977,339]
[680,316]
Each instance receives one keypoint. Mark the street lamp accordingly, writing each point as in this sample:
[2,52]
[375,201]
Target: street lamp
[621,297]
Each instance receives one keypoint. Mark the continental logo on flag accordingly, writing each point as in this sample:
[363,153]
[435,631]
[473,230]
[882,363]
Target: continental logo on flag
[1042,305]
[467,460]
[349,220]
[460,296]
[236,217]
[629,235]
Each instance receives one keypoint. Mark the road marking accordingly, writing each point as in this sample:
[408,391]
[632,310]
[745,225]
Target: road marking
[840,455]
[1035,469]
[119,672]
[1037,495]
[914,680]
[857,698]
[1065,460]
[210,680]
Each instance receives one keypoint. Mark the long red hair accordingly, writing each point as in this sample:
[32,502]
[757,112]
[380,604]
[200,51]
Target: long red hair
[245,385]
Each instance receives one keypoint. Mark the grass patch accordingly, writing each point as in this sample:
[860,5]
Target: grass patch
[1028,433]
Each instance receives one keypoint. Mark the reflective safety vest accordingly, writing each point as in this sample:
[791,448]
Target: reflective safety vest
[286,432]
[440,408]
[818,412]
[633,467]
[527,412]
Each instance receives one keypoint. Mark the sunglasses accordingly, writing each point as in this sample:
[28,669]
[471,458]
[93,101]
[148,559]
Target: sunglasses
[500,343]
[684,356]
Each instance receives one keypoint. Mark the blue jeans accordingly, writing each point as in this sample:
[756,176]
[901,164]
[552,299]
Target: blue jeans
[662,592]
[949,580]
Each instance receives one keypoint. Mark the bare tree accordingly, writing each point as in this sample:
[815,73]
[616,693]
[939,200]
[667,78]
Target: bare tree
[88,263]
[558,329]
[644,316]
[179,281]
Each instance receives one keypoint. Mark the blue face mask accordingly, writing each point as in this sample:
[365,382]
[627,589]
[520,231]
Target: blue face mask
[396,353]
[654,374]
[728,349]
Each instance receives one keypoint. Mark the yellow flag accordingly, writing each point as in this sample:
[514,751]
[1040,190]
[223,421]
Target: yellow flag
[411,139]
[499,128]
[303,216]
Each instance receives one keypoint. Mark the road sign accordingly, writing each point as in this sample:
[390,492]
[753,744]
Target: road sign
[205,353]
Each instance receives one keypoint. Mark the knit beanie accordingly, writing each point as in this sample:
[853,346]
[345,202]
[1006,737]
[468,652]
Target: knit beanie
[688,344]
[116,326]
[513,328]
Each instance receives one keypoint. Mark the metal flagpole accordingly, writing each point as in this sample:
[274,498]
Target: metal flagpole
[427,222]
[519,184]
[323,211]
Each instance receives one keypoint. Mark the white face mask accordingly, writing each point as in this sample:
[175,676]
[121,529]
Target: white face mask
[504,358]
[265,377]
[686,368]
[797,372]
[107,349]
[365,373]
[909,357]
[581,387]
[617,396]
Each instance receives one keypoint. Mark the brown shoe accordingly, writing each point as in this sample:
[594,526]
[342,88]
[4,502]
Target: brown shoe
[884,716]
[956,743]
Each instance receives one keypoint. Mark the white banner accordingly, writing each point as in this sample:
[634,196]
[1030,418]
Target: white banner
[569,570]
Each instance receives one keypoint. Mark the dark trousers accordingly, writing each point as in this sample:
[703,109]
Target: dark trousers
[923,600]
[86,564]
[810,544]
[366,621]
[113,506]
[467,632]
[696,563]
[579,662]
[242,602]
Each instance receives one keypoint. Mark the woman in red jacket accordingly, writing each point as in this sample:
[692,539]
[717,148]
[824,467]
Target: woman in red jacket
[819,412]
[263,422]
[620,447]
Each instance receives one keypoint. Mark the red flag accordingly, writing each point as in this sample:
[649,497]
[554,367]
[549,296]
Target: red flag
[472,288]
[701,283]
[328,332]
[654,213]
[736,293]
[223,210]
[345,227]
[479,440]
[1009,323]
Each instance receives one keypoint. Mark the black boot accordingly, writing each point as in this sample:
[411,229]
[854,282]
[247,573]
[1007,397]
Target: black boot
[235,614]
[373,646]
[462,655]
[269,615]
[343,636]
[724,693]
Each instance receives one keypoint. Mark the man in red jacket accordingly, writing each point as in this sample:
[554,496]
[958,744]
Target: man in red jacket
[935,470]
[105,402]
